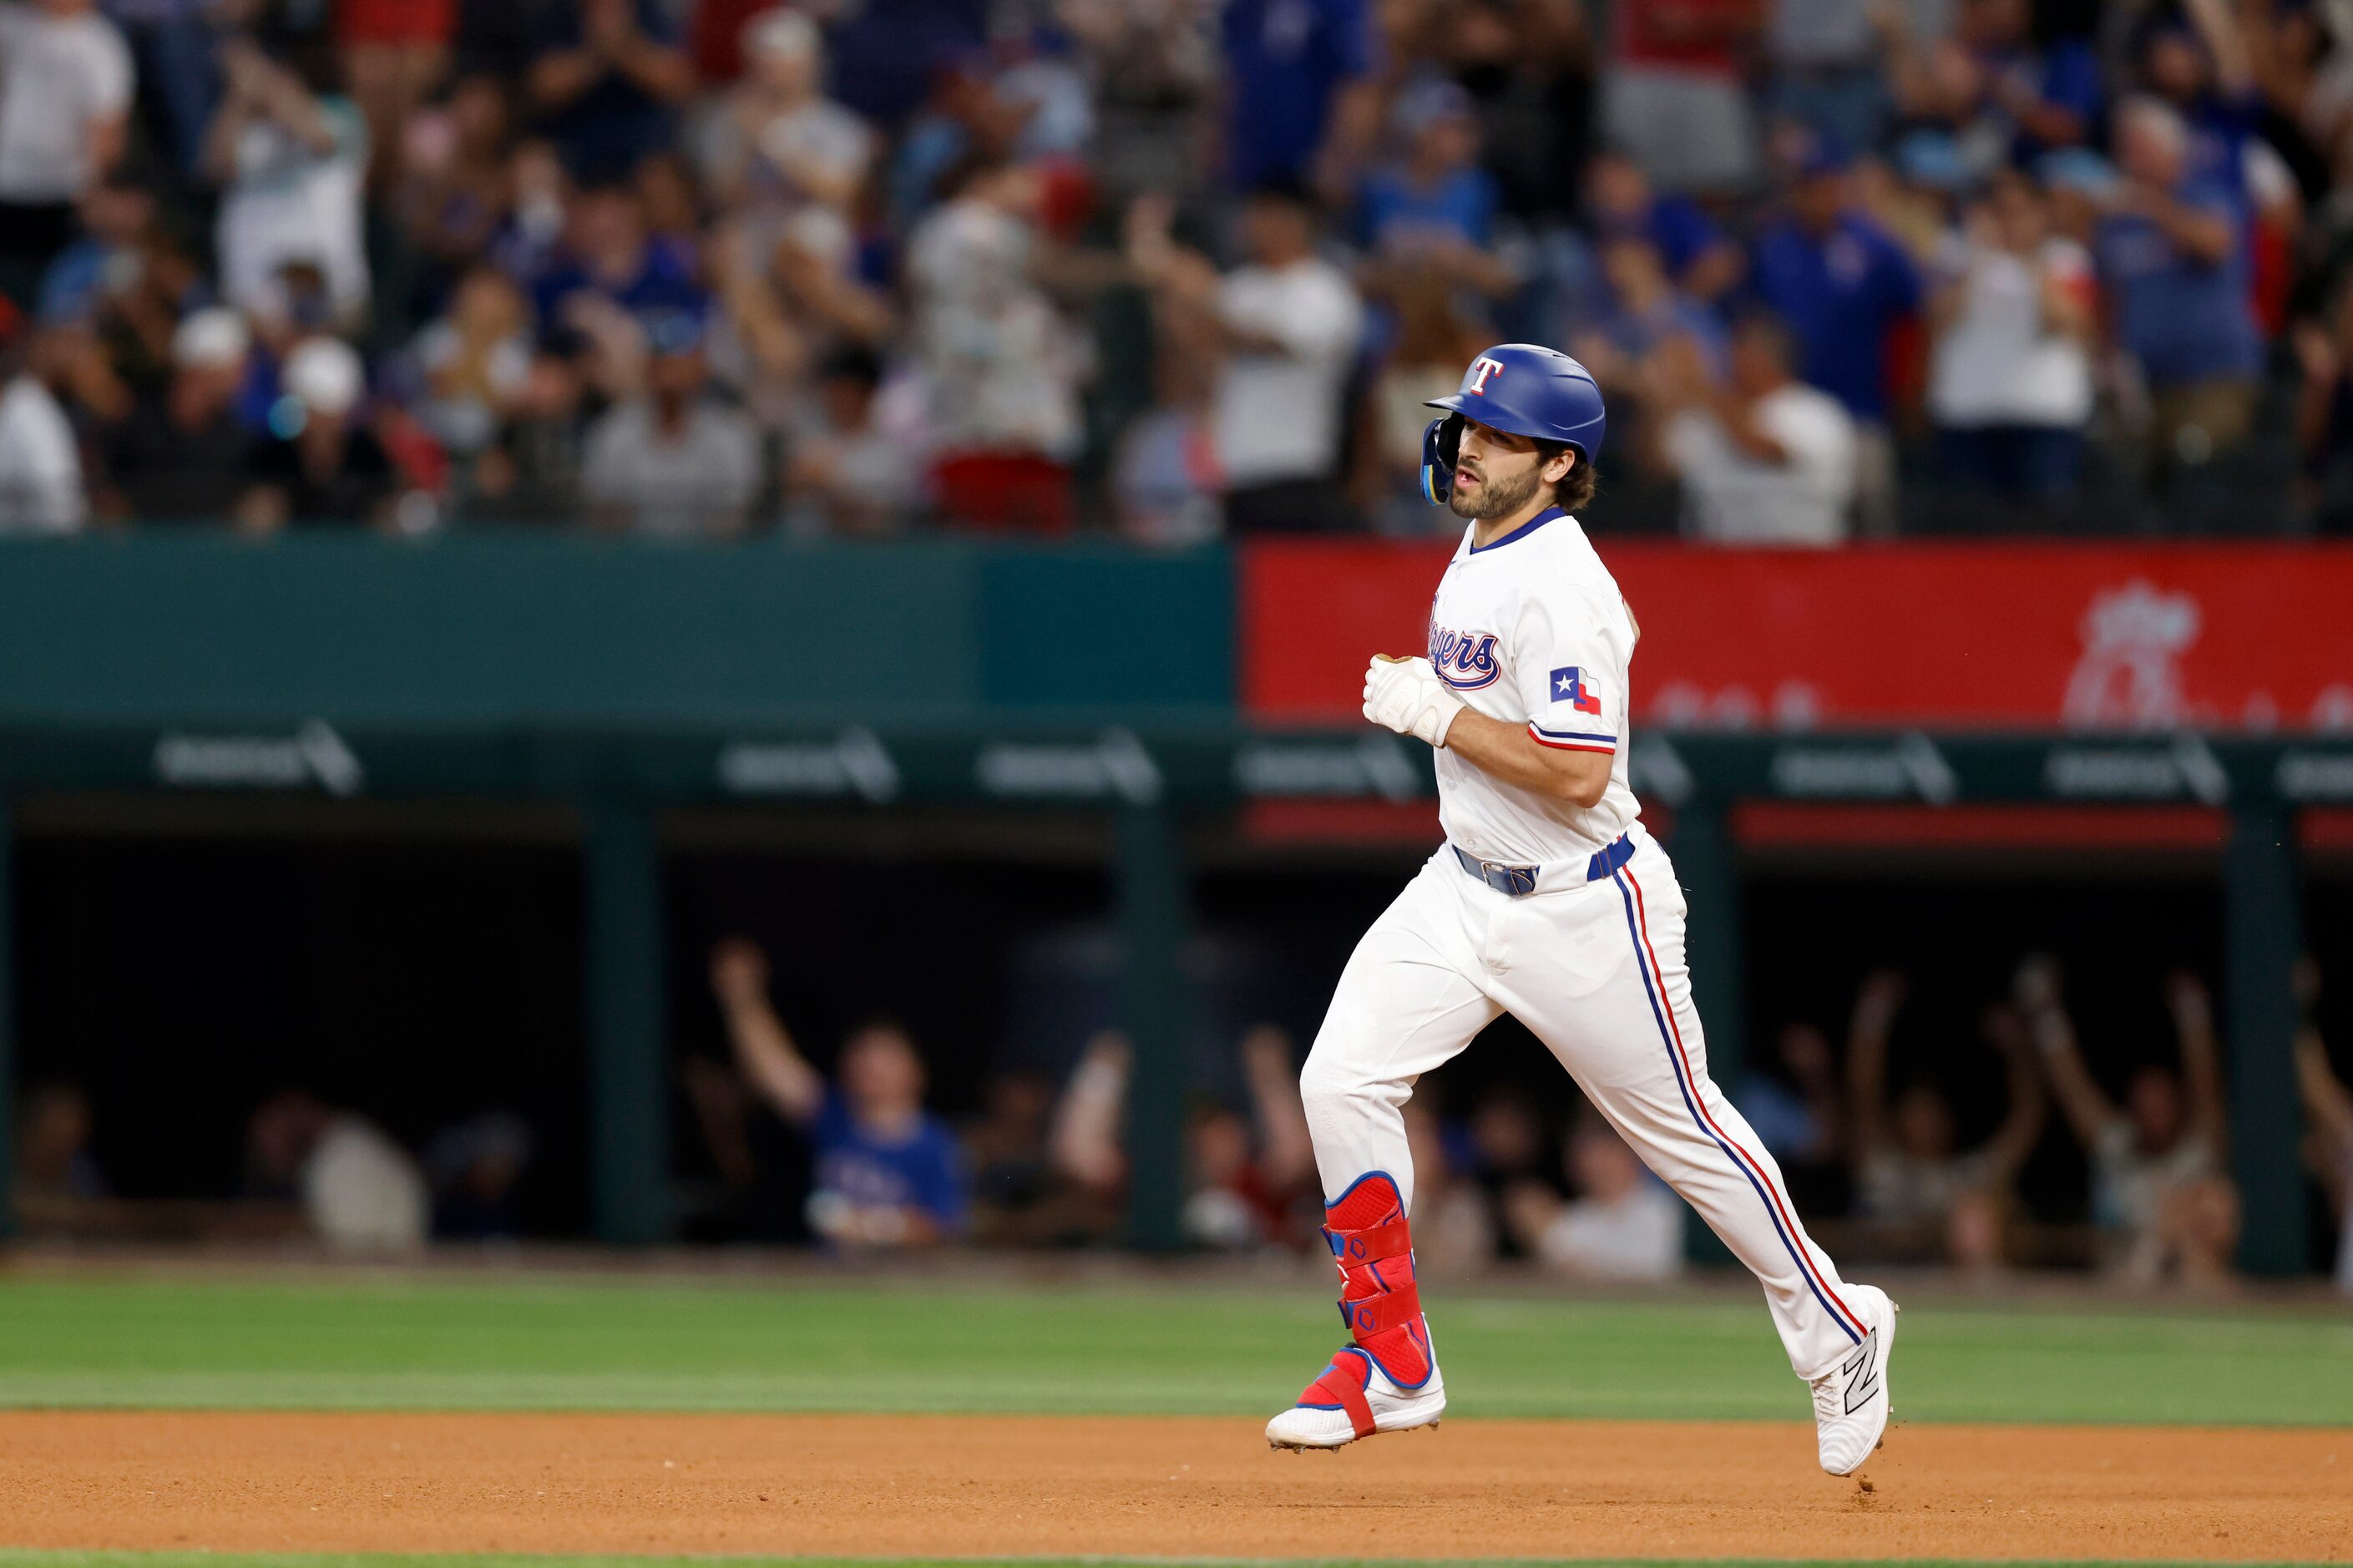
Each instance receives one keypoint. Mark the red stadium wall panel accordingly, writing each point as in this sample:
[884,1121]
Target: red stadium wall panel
[1970,635]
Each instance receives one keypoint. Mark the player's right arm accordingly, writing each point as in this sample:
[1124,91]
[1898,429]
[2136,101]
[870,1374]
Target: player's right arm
[763,1046]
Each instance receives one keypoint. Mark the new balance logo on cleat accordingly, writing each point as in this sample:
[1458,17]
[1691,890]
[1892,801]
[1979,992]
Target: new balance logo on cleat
[1862,1374]
[1850,1399]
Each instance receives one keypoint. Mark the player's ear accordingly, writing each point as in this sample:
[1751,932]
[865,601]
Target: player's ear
[1561,466]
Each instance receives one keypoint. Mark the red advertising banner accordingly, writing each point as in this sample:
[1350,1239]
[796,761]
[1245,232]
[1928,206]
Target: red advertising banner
[1984,636]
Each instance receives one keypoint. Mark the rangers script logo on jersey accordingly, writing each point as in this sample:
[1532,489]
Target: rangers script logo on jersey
[1464,660]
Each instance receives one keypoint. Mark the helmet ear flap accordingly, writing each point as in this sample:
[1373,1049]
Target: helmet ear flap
[1441,443]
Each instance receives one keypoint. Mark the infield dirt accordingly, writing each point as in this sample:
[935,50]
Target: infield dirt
[997,1486]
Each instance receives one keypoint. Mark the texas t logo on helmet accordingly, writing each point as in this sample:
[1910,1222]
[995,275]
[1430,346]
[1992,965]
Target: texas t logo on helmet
[1523,389]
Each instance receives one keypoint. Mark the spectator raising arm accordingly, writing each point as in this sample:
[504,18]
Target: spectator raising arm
[2226,46]
[255,89]
[1286,1157]
[2201,1068]
[2089,1110]
[1084,1140]
[1876,1003]
[2326,1101]
[764,1048]
[2021,1125]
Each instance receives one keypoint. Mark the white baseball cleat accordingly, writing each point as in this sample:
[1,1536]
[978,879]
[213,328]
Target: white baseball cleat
[1354,1398]
[1850,1407]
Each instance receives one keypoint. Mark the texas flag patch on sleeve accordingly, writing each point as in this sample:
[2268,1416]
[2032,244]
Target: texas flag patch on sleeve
[1568,686]
[1572,694]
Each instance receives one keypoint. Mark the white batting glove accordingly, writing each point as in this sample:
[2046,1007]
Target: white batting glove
[1405,695]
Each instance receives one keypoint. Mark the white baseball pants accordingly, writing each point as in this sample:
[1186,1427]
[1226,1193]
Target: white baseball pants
[1596,972]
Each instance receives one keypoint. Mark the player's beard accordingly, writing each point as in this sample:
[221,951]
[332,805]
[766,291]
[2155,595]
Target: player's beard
[1496,498]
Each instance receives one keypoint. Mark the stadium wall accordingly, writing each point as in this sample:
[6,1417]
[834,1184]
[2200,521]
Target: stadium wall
[621,679]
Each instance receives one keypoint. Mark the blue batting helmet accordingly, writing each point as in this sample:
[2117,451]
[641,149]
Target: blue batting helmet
[1522,389]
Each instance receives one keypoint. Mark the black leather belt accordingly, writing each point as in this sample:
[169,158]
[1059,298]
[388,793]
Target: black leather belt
[1519,881]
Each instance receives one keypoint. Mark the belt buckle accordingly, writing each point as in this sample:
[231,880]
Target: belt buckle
[1512,881]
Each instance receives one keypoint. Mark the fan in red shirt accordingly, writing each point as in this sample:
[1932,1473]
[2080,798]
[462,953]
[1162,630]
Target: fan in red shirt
[1673,99]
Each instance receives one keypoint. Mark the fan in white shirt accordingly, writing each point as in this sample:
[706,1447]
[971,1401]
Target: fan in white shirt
[1623,1225]
[41,464]
[1281,332]
[2009,377]
[65,98]
[1764,459]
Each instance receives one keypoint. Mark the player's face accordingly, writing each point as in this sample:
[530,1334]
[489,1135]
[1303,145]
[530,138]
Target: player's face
[1496,474]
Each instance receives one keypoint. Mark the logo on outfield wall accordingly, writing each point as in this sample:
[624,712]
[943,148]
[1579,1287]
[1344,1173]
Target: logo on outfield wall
[1374,765]
[2188,768]
[2316,775]
[1114,767]
[854,763]
[2129,675]
[1912,768]
[314,756]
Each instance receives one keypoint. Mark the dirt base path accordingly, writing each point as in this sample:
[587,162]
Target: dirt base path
[956,1486]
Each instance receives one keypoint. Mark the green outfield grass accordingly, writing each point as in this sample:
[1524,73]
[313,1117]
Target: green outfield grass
[620,1344]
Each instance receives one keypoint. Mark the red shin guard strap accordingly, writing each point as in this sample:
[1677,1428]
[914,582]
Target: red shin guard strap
[1356,1247]
[1377,1314]
[1339,1386]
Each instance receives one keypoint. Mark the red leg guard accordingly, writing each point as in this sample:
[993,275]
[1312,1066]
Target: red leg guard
[1343,1385]
[1379,1302]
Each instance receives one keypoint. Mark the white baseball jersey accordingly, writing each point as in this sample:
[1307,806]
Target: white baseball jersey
[1531,629]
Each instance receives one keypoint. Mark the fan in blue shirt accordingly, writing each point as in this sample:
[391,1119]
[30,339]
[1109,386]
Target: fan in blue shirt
[1841,283]
[1621,202]
[887,1171]
[2049,96]
[1436,195]
[608,257]
[1287,64]
[1641,311]
[2172,255]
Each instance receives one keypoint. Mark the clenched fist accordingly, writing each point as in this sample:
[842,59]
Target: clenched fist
[1405,695]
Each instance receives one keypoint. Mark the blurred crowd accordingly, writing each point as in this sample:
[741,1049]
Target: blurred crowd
[1870,1140]
[1887,1157]
[694,268]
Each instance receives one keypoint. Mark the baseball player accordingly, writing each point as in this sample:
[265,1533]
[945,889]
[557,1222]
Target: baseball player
[1548,900]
